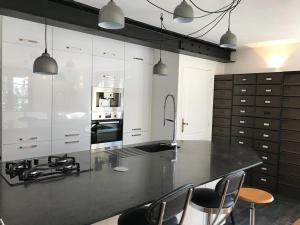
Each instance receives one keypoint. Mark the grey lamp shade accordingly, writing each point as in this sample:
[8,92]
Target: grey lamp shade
[183,13]
[111,16]
[45,64]
[228,40]
[160,69]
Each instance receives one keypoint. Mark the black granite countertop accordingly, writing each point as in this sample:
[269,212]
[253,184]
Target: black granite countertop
[103,192]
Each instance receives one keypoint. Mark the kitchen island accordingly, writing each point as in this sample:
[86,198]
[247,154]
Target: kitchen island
[103,192]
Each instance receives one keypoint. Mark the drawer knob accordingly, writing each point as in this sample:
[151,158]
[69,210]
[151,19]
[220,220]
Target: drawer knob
[244,90]
[266,124]
[268,90]
[241,132]
[243,100]
[266,135]
[242,111]
[264,157]
[241,142]
[244,79]
[267,101]
[242,121]
[269,78]
[265,146]
[263,179]
[264,169]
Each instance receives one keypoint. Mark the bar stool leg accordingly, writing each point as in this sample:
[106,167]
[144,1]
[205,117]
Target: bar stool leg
[208,221]
[252,214]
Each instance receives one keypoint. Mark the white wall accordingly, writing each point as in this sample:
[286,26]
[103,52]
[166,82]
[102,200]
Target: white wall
[272,58]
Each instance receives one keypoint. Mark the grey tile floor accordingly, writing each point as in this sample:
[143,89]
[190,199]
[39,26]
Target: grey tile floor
[283,211]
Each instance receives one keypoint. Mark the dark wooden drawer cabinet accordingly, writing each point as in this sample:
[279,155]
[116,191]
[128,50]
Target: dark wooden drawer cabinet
[223,77]
[269,78]
[268,158]
[293,136]
[290,180]
[223,84]
[264,181]
[223,94]
[221,122]
[222,103]
[290,125]
[268,90]
[242,132]
[266,135]
[268,101]
[289,169]
[291,91]
[221,139]
[244,90]
[241,141]
[226,113]
[291,102]
[266,169]
[268,124]
[292,78]
[244,100]
[242,121]
[267,112]
[245,79]
[243,111]
[221,131]
[266,146]
[290,113]
[289,157]
[288,190]
[290,147]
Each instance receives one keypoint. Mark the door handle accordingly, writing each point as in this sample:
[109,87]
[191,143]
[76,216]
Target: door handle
[183,124]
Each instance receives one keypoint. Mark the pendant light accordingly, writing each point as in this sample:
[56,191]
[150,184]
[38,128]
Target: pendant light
[228,40]
[183,13]
[160,68]
[111,16]
[45,64]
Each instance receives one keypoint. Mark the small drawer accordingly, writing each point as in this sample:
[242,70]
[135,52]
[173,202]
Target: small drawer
[290,147]
[289,169]
[241,141]
[267,124]
[242,121]
[242,132]
[222,103]
[290,157]
[245,79]
[223,85]
[290,113]
[264,181]
[244,100]
[271,78]
[243,111]
[289,191]
[273,113]
[291,91]
[287,135]
[267,135]
[221,122]
[226,113]
[221,139]
[291,102]
[290,180]
[244,90]
[292,78]
[221,131]
[266,169]
[290,124]
[268,90]
[266,146]
[223,94]
[268,158]
[271,101]
[223,77]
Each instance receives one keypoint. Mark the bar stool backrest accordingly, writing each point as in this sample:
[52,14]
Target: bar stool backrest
[233,183]
[170,205]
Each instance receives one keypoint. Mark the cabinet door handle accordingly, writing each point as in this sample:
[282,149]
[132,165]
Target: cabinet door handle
[266,124]
[244,90]
[73,48]
[241,132]
[244,79]
[28,139]
[28,147]
[264,168]
[136,129]
[268,90]
[264,157]
[243,100]
[267,101]
[263,179]
[269,78]
[71,135]
[266,135]
[71,142]
[28,40]
[242,111]
[241,142]
[242,121]
[265,146]
[136,135]
[138,58]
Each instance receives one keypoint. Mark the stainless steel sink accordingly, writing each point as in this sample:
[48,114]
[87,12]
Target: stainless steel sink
[159,147]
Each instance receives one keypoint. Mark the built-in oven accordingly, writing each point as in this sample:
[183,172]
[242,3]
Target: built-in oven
[106,134]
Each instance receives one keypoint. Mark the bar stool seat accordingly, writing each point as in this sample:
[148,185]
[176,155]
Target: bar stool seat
[297,222]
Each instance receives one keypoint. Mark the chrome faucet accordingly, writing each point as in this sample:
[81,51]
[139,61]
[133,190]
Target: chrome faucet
[174,142]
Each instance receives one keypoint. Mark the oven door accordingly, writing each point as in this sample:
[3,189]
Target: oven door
[106,133]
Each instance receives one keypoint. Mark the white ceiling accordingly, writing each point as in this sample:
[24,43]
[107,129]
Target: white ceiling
[253,21]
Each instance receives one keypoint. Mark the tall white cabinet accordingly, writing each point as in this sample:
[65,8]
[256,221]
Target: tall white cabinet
[137,93]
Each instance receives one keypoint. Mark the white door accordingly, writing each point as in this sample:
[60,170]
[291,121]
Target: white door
[196,103]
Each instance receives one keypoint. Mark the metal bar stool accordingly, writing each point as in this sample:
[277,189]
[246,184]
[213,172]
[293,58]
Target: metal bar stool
[161,212]
[221,200]
[255,196]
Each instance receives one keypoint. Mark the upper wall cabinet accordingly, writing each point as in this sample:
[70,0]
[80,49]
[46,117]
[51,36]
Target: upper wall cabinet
[108,48]
[139,53]
[25,32]
[26,97]
[71,41]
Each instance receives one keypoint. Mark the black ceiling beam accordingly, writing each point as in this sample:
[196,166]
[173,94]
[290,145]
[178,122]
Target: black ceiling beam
[77,16]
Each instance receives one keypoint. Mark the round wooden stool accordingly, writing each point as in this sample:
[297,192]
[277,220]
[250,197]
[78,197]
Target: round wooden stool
[297,222]
[255,196]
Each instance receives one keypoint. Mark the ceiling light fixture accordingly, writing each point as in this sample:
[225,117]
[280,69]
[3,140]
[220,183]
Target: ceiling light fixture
[45,64]
[160,68]
[183,13]
[111,16]
[228,40]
